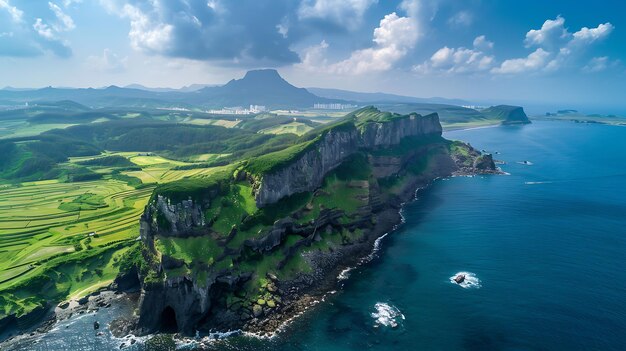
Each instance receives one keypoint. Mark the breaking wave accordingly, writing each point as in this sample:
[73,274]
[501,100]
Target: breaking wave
[387,315]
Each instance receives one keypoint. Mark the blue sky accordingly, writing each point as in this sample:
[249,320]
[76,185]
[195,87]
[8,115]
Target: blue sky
[529,51]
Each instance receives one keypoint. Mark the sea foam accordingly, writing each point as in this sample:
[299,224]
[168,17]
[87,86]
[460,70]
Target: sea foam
[387,315]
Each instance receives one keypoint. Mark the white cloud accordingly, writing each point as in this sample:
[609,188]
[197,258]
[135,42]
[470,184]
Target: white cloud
[587,36]
[283,27]
[482,43]
[461,19]
[146,34]
[597,64]
[393,39]
[314,57]
[108,62]
[558,48]
[65,21]
[577,45]
[551,31]
[68,3]
[16,14]
[534,62]
[43,30]
[459,60]
[411,7]
[345,13]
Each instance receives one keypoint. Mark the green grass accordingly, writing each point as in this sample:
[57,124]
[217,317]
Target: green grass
[296,128]
[280,159]
[193,249]
[87,201]
[228,210]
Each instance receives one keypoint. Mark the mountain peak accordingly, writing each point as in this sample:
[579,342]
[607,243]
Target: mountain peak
[263,74]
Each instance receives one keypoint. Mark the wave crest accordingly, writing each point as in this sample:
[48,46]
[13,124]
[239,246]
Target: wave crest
[387,315]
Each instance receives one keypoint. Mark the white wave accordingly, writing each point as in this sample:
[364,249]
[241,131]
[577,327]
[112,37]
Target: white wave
[471,281]
[387,315]
[345,274]
[527,163]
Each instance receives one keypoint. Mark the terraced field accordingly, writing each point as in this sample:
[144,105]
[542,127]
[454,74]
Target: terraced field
[73,234]
[37,223]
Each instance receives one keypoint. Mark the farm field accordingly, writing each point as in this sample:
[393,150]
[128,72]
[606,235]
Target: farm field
[74,234]
[293,127]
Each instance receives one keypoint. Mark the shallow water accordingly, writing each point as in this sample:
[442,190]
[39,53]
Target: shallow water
[543,249]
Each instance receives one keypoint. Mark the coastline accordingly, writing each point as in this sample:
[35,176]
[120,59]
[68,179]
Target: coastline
[311,294]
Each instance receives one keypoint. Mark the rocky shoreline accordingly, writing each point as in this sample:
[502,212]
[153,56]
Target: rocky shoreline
[104,298]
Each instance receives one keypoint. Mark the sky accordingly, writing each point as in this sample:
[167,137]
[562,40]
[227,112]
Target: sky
[532,51]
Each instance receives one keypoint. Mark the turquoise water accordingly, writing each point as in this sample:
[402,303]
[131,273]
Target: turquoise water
[545,247]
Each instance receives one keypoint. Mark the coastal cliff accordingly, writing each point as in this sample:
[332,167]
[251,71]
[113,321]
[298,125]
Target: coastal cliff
[253,246]
[307,171]
[507,114]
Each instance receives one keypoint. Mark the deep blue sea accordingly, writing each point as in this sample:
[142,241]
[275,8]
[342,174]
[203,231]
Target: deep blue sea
[544,250]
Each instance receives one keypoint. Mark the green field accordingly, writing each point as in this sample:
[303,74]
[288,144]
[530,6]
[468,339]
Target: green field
[296,128]
[75,233]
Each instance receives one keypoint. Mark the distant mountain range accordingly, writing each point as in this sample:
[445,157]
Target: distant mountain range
[373,98]
[185,89]
[258,87]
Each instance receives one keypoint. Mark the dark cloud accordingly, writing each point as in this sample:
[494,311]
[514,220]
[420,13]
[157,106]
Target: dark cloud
[238,31]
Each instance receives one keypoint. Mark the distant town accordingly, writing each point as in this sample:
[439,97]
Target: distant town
[333,106]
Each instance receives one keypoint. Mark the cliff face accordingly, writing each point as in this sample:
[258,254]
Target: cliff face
[391,133]
[179,218]
[307,172]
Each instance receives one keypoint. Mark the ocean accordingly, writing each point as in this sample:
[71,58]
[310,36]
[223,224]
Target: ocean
[543,249]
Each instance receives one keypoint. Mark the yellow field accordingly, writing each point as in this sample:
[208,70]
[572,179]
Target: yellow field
[213,122]
[292,127]
[207,157]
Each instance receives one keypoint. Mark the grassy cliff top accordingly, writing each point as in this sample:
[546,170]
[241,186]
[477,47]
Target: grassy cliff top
[371,114]
[195,188]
